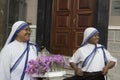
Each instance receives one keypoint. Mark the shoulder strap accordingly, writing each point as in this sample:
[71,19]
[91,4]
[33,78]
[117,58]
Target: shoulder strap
[18,60]
[92,54]
[23,73]
[105,58]
[36,47]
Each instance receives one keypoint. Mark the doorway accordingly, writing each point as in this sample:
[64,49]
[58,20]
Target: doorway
[69,19]
[60,31]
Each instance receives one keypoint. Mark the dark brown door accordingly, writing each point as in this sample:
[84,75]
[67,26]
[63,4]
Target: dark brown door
[70,18]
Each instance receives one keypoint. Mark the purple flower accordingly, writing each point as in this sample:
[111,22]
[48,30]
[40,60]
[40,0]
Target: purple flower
[44,64]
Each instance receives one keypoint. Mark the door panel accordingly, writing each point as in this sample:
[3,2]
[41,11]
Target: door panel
[63,5]
[70,18]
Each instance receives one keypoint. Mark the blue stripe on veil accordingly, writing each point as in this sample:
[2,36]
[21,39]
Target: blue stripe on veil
[90,36]
[22,26]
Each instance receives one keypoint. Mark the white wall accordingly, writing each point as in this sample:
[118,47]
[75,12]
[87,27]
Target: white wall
[114,42]
[31,11]
[31,17]
[114,20]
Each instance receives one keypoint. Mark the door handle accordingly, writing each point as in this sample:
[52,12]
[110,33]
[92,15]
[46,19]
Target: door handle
[74,21]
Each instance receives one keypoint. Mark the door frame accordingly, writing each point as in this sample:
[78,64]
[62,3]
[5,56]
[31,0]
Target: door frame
[44,18]
[103,20]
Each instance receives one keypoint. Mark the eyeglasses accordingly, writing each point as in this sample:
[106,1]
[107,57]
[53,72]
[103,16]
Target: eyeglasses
[27,29]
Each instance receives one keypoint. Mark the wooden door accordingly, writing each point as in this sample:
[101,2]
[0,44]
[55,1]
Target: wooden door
[70,18]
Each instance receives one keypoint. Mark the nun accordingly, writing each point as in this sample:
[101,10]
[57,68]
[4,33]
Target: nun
[91,61]
[16,53]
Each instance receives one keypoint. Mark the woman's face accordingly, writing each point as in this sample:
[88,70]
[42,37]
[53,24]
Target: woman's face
[24,35]
[94,39]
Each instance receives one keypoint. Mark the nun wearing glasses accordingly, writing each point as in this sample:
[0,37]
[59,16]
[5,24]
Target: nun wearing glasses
[16,53]
[91,61]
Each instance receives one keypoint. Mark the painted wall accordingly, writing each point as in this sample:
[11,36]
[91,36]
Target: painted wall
[114,37]
[31,11]
[114,14]
[3,13]
[31,17]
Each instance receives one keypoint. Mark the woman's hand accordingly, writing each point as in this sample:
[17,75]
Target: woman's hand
[110,65]
[105,70]
[79,72]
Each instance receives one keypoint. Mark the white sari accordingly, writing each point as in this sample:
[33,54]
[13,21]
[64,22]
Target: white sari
[12,66]
[10,56]
[95,63]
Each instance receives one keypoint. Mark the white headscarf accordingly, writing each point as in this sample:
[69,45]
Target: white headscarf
[16,28]
[89,33]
